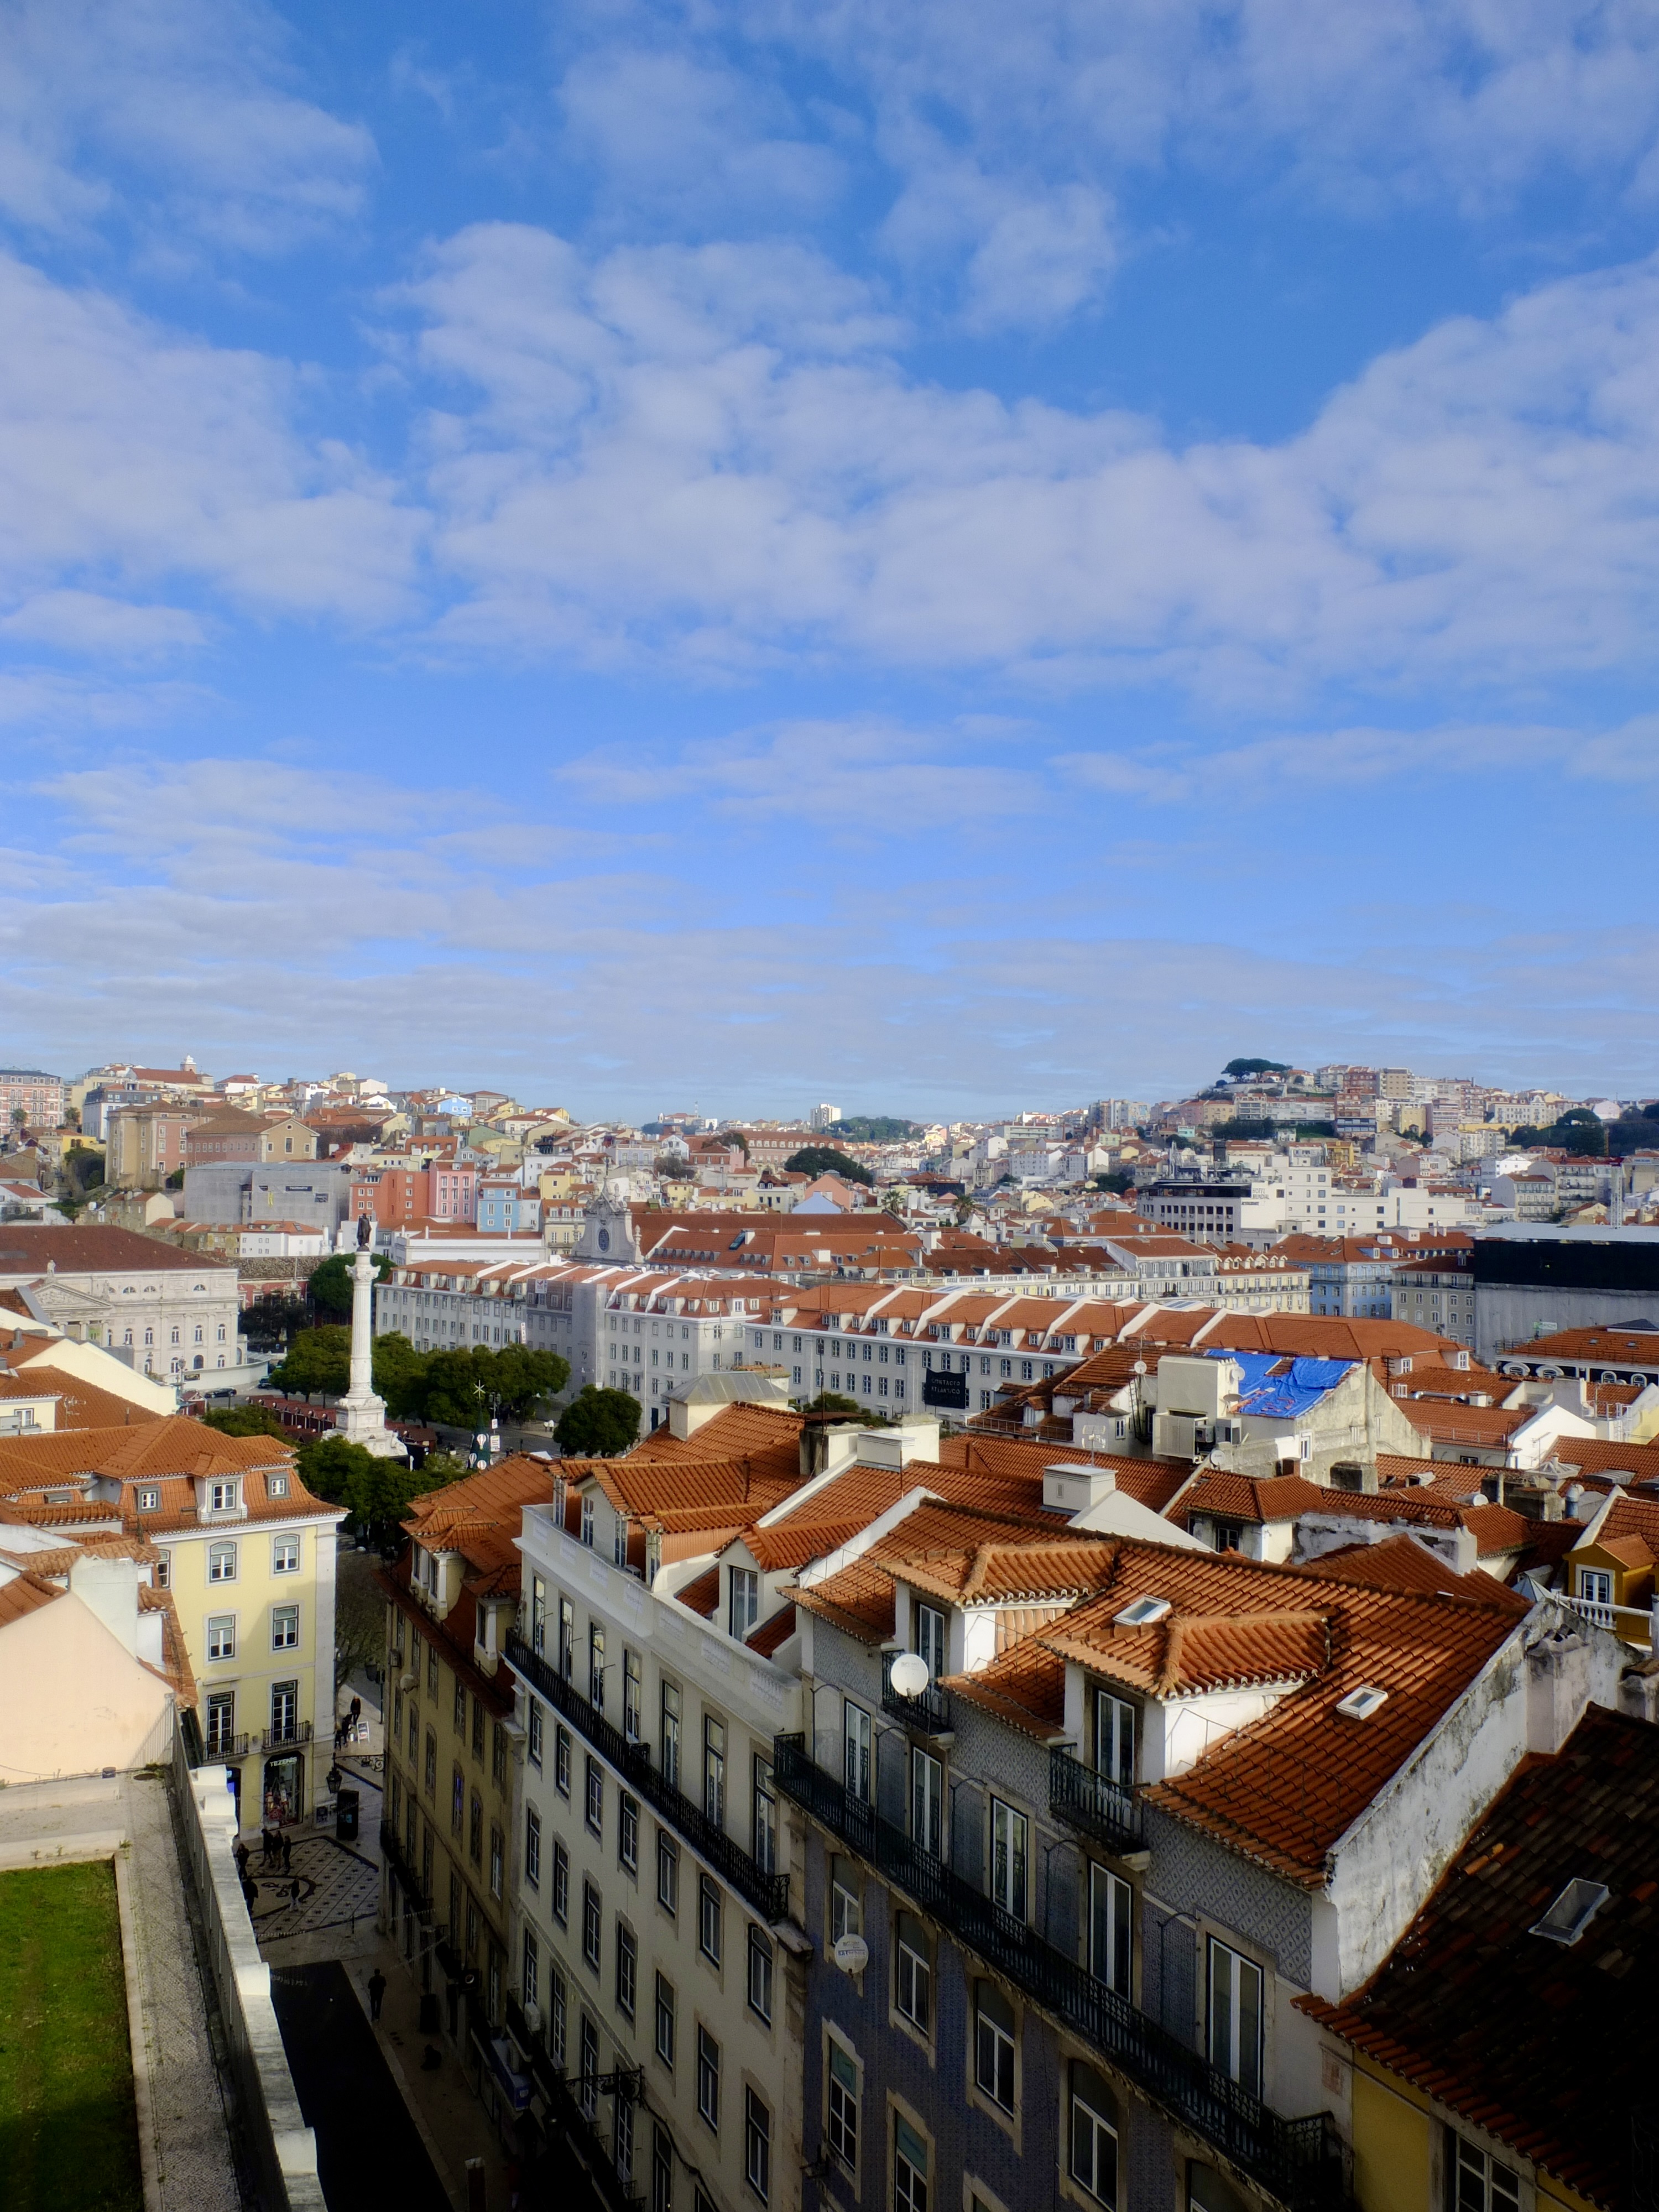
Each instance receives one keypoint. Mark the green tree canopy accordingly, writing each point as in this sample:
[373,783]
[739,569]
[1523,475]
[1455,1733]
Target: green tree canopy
[400,1376]
[599,1424]
[272,1322]
[380,1491]
[1237,1069]
[329,1287]
[876,1129]
[824,1159]
[328,1464]
[1118,1180]
[470,1383]
[831,1402]
[318,1359]
[243,1421]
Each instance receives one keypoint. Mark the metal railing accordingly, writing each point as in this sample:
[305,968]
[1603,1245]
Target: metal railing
[559,2094]
[767,1892]
[217,1745]
[928,1714]
[1301,2160]
[1109,1811]
[284,1738]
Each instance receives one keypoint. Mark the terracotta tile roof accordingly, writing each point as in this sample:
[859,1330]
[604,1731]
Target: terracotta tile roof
[23,1595]
[1251,1498]
[28,1249]
[1595,1456]
[1150,1482]
[1574,2062]
[1494,1528]
[1632,1516]
[1452,1424]
[1025,1685]
[175,1445]
[1401,1562]
[1611,1347]
[703,1594]
[772,1635]
[481,1517]
[860,1599]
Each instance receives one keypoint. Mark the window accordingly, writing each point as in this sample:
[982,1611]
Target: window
[766,1818]
[1481,2185]
[664,2010]
[742,1602]
[909,2168]
[149,1501]
[591,1925]
[1111,1941]
[757,2145]
[994,2044]
[475,1830]
[855,1725]
[220,1721]
[714,1771]
[561,1882]
[531,1970]
[669,1750]
[760,1973]
[285,1628]
[668,1872]
[497,1856]
[930,1638]
[567,1638]
[662,2169]
[222,1636]
[843,2129]
[587,1522]
[914,1992]
[631,1689]
[1093,2134]
[846,1909]
[1009,1850]
[588,2090]
[628,1832]
[628,1968]
[498,1755]
[1235,2016]
[457,1801]
[536,1728]
[562,1759]
[596,1666]
[221,1562]
[432,1685]
[163,1570]
[1115,1738]
[709,1918]
[285,1555]
[275,1485]
[595,1796]
[222,1495]
[1595,1583]
[708,2078]
[926,1801]
[532,1847]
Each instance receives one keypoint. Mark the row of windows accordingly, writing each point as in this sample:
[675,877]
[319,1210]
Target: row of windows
[495,1731]
[174,1337]
[221,1718]
[222,1631]
[224,1559]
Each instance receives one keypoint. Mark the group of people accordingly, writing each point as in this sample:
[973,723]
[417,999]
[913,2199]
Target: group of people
[277,1849]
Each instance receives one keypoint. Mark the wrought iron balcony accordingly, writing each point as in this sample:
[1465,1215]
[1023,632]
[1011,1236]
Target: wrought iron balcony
[219,1745]
[559,2094]
[928,1714]
[285,1737]
[767,1892]
[1301,2161]
[1109,1811]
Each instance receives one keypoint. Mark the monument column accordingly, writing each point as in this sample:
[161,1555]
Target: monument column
[361,1416]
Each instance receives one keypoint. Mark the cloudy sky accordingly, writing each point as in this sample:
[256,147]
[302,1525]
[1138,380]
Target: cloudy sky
[939,557]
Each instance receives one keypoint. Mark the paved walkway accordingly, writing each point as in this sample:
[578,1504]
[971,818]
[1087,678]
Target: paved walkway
[189,2146]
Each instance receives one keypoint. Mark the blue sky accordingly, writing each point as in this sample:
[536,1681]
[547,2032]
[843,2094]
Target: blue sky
[942,558]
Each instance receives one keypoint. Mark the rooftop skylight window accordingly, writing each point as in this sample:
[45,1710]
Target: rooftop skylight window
[1360,1705]
[1141,1612]
[1571,1912]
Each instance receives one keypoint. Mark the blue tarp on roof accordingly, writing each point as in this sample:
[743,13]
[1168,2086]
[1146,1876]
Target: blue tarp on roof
[1282,1397]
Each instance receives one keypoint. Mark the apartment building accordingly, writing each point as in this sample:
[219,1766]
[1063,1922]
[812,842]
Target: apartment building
[145,1144]
[453,1751]
[246,1555]
[171,1314]
[30,1096]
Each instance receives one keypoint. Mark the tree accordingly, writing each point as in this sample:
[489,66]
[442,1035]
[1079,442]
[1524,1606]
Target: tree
[329,1465]
[400,1374]
[271,1323]
[523,1381]
[380,1491]
[359,1617]
[824,1159]
[599,1424]
[318,1359]
[1118,1180]
[330,1285]
[243,1421]
[1238,1069]
[831,1402]
[466,1386]
[876,1129]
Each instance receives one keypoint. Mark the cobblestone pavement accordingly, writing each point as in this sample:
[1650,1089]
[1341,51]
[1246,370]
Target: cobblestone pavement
[191,2134]
[338,1888]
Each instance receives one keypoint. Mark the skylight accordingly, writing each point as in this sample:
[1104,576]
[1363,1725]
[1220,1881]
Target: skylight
[1141,1612]
[1571,1912]
[1360,1705]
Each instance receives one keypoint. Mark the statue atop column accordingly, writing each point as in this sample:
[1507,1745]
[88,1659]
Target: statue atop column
[361,1415]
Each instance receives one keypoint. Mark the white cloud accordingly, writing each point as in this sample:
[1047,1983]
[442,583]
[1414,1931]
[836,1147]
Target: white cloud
[130,455]
[633,466]
[91,623]
[190,103]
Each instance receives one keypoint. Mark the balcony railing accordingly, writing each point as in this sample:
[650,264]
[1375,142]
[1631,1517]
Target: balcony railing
[1300,2160]
[219,1744]
[392,1851]
[928,1714]
[1107,1810]
[767,1892]
[285,1735]
[558,2094]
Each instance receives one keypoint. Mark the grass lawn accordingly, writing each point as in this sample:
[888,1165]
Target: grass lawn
[68,2138]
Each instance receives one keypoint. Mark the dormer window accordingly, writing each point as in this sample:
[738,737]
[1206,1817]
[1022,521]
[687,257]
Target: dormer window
[1141,1613]
[222,1497]
[1360,1705]
[277,1486]
[149,1501]
[587,1522]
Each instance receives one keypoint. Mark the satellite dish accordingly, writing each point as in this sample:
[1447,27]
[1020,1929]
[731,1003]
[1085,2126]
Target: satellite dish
[909,1675]
[851,1954]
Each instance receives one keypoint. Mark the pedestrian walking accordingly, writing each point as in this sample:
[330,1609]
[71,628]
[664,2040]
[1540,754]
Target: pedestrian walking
[288,1854]
[249,1893]
[242,1856]
[357,1710]
[376,1993]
